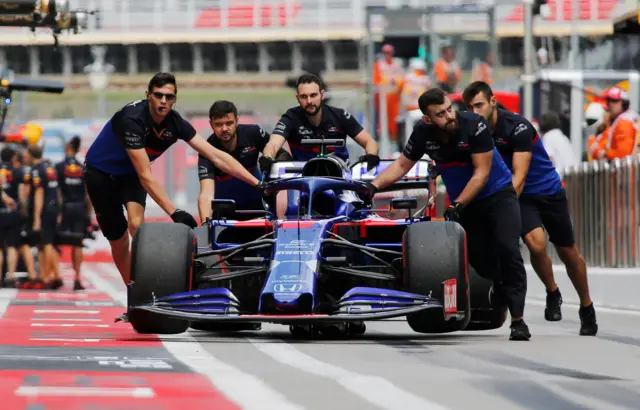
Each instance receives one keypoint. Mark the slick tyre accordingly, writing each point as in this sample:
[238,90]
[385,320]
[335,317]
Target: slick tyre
[434,252]
[488,310]
[161,264]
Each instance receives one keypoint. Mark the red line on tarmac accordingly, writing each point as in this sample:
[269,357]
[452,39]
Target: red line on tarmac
[45,378]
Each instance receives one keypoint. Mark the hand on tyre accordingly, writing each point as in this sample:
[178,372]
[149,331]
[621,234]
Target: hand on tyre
[184,217]
[372,160]
[370,193]
[453,212]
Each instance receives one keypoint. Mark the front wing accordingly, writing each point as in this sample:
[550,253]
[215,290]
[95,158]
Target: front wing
[358,304]
[286,319]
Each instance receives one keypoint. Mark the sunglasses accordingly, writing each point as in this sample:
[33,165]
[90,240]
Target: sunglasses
[159,95]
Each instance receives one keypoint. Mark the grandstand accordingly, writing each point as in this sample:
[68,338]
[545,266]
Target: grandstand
[262,36]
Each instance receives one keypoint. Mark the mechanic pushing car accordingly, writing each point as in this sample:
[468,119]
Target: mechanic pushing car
[118,165]
[42,188]
[76,207]
[543,202]
[313,119]
[244,142]
[482,197]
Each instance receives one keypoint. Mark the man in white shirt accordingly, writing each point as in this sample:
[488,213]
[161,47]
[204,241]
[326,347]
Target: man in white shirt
[557,145]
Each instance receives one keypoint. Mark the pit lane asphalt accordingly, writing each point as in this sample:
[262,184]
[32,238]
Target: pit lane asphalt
[392,367]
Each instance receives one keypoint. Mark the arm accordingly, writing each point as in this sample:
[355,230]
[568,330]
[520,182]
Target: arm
[206,174]
[413,151]
[481,168]
[38,203]
[205,198]
[222,160]
[141,163]
[481,144]
[352,128]
[393,172]
[280,134]
[523,137]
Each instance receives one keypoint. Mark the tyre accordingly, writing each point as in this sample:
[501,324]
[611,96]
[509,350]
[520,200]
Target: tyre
[435,252]
[161,265]
[486,310]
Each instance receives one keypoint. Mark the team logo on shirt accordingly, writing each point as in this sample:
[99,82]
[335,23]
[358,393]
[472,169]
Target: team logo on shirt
[73,171]
[304,131]
[521,127]
[51,173]
[481,127]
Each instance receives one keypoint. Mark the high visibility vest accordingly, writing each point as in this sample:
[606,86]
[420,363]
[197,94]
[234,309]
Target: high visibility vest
[388,72]
[414,86]
[630,116]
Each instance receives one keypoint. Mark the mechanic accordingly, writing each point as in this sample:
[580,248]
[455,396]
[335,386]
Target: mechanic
[9,216]
[21,174]
[76,207]
[313,119]
[482,197]
[43,209]
[543,202]
[244,142]
[118,165]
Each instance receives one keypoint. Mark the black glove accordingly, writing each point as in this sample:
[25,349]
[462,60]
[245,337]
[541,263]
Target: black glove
[184,217]
[453,212]
[369,194]
[372,160]
[264,163]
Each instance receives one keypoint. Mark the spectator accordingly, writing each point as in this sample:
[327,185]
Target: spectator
[556,143]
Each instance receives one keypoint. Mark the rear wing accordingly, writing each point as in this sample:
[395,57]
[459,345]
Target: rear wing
[417,177]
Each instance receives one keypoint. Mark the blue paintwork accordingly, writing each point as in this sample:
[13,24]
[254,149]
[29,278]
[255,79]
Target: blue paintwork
[297,251]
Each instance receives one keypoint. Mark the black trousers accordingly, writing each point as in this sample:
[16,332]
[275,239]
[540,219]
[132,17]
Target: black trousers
[493,228]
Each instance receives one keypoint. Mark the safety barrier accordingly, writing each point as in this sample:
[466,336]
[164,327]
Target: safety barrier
[603,203]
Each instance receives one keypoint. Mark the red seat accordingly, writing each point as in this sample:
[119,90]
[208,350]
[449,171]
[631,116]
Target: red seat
[562,10]
[241,14]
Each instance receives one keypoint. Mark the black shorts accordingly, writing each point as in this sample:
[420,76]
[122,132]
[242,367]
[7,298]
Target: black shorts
[109,194]
[549,212]
[10,228]
[73,226]
[48,226]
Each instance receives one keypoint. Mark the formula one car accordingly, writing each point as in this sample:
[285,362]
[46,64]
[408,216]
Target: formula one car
[330,265]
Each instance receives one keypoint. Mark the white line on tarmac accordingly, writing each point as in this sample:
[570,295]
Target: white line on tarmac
[35,391]
[247,390]
[374,389]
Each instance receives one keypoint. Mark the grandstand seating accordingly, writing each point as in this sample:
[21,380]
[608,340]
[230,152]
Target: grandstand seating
[562,10]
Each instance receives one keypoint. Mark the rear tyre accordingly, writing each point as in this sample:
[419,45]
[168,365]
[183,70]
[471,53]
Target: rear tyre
[488,310]
[161,265]
[434,252]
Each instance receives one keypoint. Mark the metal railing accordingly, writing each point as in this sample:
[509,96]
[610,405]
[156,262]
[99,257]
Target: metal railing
[603,203]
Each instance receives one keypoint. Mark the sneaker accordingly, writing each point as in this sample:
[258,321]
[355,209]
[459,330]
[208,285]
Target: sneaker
[519,330]
[552,311]
[588,324]
[77,285]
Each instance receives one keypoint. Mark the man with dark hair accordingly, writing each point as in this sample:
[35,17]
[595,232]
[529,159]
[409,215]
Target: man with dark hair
[313,119]
[76,207]
[543,202]
[10,178]
[244,143]
[118,165]
[44,207]
[482,197]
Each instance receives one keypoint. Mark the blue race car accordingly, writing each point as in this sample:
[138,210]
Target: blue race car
[330,265]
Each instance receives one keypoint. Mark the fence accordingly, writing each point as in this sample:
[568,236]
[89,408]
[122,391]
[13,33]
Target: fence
[603,203]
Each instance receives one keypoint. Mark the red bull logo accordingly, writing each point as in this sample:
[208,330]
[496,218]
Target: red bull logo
[51,174]
[73,171]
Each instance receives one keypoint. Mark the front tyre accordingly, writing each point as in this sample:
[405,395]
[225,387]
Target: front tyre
[161,264]
[435,253]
